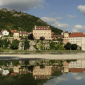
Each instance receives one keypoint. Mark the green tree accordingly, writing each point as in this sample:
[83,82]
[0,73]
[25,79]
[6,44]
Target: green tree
[74,46]
[1,43]
[5,43]
[59,47]
[42,38]
[15,63]
[68,46]
[26,45]
[52,45]
[14,45]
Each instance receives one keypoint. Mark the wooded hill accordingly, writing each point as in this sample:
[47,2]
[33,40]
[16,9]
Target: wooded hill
[13,20]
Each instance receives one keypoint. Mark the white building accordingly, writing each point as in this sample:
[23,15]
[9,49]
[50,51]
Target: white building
[77,64]
[5,32]
[5,72]
[78,38]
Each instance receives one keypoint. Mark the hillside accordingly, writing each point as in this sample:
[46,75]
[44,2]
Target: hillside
[12,20]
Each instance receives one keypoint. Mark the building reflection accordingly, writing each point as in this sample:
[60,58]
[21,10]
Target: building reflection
[74,66]
[42,72]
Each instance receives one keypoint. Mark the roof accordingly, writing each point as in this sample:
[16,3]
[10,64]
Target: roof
[41,28]
[64,32]
[78,34]
[22,32]
[58,36]
[12,31]
[52,33]
[76,70]
[4,30]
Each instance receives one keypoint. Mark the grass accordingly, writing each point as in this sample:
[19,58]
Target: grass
[9,51]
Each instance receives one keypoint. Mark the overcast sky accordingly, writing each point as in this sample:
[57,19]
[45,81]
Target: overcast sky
[68,15]
[68,79]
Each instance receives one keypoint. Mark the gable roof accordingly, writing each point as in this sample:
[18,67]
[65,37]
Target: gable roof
[4,30]
[77,34]
[12,31]
[41,28]
[76,70]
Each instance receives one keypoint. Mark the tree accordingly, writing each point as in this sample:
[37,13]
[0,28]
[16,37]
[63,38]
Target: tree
[14,45]
[26,45]
[1,43]
[68,46]
[59,47]
[52,45]
[42,38]
[74,47]
[30,37]
[5,43]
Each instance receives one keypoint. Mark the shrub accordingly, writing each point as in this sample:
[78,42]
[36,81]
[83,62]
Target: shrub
[74,46]
[68,46]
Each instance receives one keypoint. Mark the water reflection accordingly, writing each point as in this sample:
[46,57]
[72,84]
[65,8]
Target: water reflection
[44,72]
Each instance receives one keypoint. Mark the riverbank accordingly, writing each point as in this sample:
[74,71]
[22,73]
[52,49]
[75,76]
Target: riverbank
[42,56]
[41,52]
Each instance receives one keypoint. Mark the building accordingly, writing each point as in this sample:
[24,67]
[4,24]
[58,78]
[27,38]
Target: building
[12,31]
[42,73]
[42,31]
[5,72]
[16,35]
[66,66]
[23,33]
[5,32]
[78,38]
[64,35]
[77,70]
[16,69]
[47,70]
[77,64]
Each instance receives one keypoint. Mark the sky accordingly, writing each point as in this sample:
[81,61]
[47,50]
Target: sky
[68,15]
[68,79]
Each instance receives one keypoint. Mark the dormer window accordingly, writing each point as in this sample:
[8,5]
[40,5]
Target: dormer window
[39,28]
[44,28]
[47,28]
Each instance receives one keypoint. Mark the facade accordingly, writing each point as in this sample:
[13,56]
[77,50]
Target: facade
[42,31]
[66,67]
[5,32]
[16,35]
[5,72]
[42,71]
[77,64]
[16,69]
[78,38]
[66,37]
[23,33]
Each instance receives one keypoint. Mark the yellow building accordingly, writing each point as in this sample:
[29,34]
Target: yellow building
[42,31]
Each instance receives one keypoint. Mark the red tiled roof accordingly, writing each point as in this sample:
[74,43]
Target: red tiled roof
[4,30]
[12,31]
[14,74]
[76,70]
[41,28]
[58,36]
[78,34]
